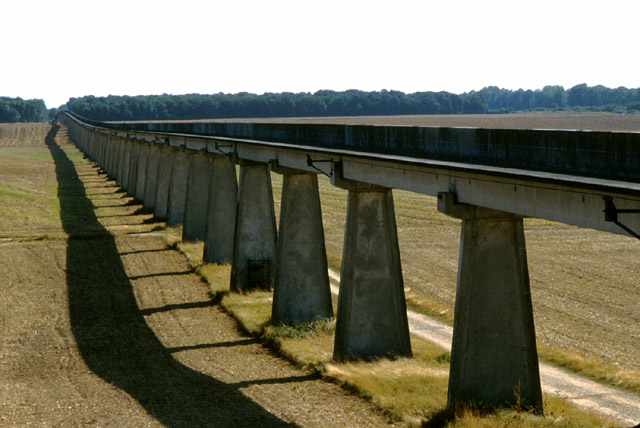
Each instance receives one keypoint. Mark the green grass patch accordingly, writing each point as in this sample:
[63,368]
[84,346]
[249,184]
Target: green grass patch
[251,310]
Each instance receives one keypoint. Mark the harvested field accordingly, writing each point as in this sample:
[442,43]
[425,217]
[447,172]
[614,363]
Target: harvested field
[584,283]
[59,256]
[542,120]
[102,325]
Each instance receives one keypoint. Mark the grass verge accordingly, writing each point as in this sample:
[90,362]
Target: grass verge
[410,390]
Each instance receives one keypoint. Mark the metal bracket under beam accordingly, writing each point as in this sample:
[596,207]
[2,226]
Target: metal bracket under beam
[311,162]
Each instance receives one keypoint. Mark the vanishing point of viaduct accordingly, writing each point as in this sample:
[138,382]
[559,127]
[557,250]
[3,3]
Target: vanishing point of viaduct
[186,174]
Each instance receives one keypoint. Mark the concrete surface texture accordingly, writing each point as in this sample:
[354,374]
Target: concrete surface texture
[177,186]
[151,175]
[254,253]
[195,211]
[493,358]
[133,168]
[372,316]
[141,170]
[163,179]
[301,290]
[126,161]
[221,211]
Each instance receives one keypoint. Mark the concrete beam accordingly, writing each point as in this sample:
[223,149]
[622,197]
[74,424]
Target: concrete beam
[195,212]
[301,289]
[493,358]
[178,186]
[254,252]
[221,211]
[372,315]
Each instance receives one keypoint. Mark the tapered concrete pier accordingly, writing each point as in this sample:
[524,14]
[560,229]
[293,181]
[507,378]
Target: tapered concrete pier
[133,168]
[122,147]
[126,161]
[301,291]
[372,315]
[163,181]
[493,358]
[195,212]
[221,211]
[151,176]
[254,252]
[141,170]
[177,186]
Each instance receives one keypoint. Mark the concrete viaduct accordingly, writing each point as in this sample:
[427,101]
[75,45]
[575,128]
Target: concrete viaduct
[489,178]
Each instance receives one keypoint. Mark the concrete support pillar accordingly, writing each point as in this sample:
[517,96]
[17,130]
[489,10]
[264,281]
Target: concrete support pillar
[151,175]
[195,211]
[122,148]
[163,180]
[221,211]
[254,251]
[301,289]
[106,140]
[141,170]
[493,357]
[103,151]
[372,314]
[133,168]
[177,186]
[126,161]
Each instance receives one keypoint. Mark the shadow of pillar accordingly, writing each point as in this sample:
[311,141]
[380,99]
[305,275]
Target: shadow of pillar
[112,335]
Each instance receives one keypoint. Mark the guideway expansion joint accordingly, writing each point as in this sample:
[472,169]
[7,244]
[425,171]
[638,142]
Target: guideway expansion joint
[611,215]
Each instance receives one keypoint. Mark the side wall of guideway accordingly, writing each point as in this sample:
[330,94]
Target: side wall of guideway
[491,179]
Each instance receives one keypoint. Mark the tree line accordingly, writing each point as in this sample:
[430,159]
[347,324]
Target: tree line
[490,99]
[19,110]
[353,103]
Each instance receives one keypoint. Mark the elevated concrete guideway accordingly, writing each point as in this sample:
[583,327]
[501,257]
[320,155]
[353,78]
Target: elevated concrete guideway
[490,179]
[549,174]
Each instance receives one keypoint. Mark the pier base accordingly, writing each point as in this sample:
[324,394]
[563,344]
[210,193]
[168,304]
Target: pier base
[254,251]
[372,315]
[301,290]
[493,358]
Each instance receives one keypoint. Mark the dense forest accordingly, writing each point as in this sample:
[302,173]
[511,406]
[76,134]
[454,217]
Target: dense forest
[19,110]
[328,103]
[354,103]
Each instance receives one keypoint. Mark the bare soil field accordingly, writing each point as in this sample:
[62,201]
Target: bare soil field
[584,282]
[592,121]
[102,325]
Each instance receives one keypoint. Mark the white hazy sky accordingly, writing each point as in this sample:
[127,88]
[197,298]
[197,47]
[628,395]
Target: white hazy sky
[59,49]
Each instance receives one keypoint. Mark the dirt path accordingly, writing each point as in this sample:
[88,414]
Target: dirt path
[104,326]
[621,406]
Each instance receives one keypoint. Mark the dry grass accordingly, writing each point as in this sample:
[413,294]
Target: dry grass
[410,390]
